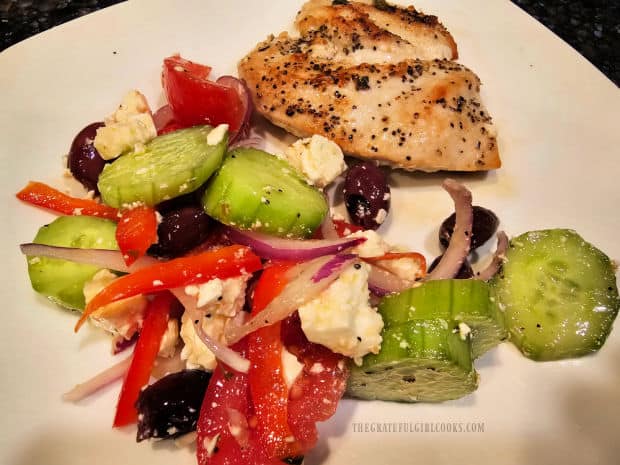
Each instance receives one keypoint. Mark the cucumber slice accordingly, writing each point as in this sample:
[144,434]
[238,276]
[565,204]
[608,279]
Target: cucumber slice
[420,361]
[62,281]
[558,293]
[169,166]
[255,190]
[462,300]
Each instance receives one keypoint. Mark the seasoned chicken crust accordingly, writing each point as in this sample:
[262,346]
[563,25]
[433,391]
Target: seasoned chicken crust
[376,94]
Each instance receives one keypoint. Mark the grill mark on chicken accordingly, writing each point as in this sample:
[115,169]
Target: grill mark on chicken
[416,114]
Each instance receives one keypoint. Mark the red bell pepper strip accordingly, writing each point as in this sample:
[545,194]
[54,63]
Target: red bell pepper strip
[136,232]
[221,263]
[268,388]
[42,195]
[147,347]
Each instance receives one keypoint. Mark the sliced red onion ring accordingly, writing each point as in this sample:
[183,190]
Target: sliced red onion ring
[94,384]
[163,117]
[111,259]
[458,249]
[251,140]
[291,249]
[498,258]
[120,343]
[246,101]
[333,266]
[221,352]
[300,290]
[328,229]
[382,282]
[238,425]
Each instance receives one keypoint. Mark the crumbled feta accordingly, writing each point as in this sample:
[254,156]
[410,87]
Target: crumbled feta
[129,127]
[291,368]
[341,317]
[381,216]
[169,341]
[123,317]
[219,307]
[217,134]
[317,158]
[373,246]
[464,331]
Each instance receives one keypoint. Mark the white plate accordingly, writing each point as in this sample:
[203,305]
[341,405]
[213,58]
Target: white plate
[558,123]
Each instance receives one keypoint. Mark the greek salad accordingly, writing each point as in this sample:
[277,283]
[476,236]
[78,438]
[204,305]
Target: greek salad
[248,309]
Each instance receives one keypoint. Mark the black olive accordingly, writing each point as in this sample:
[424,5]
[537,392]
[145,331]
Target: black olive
[170,407]
[484,226]
[181,230]
[84,160]
[465,272]
[366,195]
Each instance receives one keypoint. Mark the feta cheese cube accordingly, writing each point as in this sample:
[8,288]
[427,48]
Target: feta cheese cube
[317,158]
[341,317]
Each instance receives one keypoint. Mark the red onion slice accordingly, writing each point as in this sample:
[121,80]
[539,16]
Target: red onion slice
[381,282]
[94,384]
[498,258]
[246,101]
[333,266]
[457,251]
[163,117]
[291,249]
[221,352]
[120,343]
[102,258]
[299,291]
[328,229]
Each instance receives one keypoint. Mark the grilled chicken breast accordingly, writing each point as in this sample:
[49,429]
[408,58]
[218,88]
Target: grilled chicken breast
[373,92]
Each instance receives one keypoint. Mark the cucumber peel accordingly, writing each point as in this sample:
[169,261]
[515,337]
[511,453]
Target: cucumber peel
[62,281]
[419,361]
[461,300]
[254,190]
[169,166]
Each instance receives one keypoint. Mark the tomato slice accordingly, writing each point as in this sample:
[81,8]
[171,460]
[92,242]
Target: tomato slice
[221,263]
[227,399]
[136,232]
[42,195]
[147,347]
[315,395]
[195,100]
[268,388]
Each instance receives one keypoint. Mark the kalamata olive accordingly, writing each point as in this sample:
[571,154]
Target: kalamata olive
[485,225]
[465,272]
[170,407]
[181,230]
[366,195]
[84,160]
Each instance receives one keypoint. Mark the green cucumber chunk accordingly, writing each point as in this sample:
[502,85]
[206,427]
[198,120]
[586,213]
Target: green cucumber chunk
[462,300]
[558,294]
[419,361]
[62,281]
[171,165]
[257,191]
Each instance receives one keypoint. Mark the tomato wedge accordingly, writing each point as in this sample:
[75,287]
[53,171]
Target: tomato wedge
[136,232]
[221,263]
[145,352]
[268,387]
[315,394]
[42,195]
[195,100]
[343,228]
[225,435]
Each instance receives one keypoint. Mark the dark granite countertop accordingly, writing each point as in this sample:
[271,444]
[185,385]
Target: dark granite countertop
[592,27]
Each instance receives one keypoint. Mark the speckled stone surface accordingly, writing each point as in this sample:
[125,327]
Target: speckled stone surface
[592,27]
